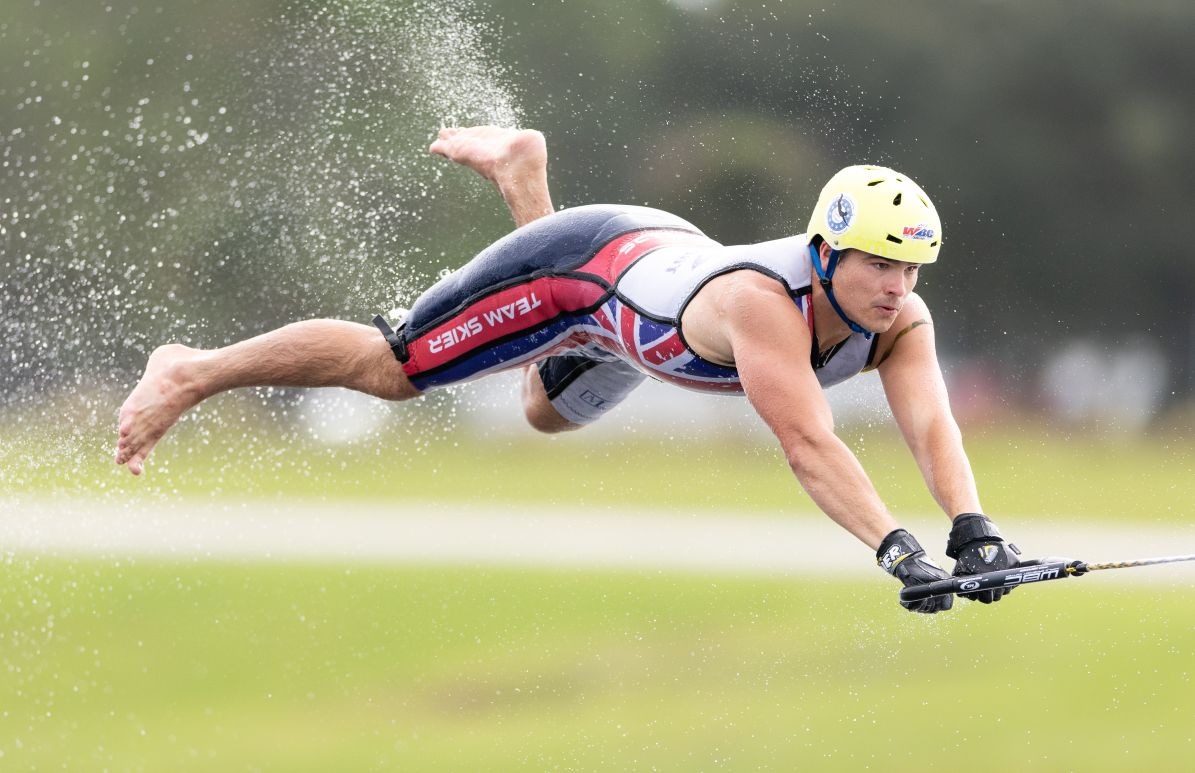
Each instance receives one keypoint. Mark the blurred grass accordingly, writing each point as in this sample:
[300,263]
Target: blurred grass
[220,667]
[1024,469]
[159,666]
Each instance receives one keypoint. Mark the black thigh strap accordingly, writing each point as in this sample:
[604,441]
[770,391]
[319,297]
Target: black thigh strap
[397,345]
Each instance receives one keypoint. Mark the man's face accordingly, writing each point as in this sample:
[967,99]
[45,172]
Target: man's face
[872,290]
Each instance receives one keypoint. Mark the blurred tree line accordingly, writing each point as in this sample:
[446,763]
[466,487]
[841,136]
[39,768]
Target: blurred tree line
[202,170]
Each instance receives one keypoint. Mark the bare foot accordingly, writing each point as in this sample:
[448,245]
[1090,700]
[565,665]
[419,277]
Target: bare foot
[155,404]
[498,154]
[515,160]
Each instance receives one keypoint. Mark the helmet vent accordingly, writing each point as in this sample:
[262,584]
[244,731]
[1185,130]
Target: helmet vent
[933,244]
[896,201]
[895,240]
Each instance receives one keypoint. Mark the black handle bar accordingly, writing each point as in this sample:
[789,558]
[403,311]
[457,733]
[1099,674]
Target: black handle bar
[1029,571]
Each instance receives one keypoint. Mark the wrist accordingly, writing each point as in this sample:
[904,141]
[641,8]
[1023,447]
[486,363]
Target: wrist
[968,528]
[895,548]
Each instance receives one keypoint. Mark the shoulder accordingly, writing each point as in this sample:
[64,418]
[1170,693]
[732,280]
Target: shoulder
[743,311]
[914,308]
[749,301]
[757,310]
[741,290]
[898,342]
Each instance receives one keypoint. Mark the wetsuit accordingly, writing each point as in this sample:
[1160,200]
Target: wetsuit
[595,295]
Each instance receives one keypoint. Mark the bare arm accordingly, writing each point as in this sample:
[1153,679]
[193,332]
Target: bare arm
[770,342]
[917,395]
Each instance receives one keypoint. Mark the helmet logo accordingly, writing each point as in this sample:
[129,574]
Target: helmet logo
[919,231]
[840,214]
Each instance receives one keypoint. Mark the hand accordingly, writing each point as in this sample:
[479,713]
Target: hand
[900,556]
[978,547]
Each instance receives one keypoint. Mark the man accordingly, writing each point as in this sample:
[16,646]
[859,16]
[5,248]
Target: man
[591,300]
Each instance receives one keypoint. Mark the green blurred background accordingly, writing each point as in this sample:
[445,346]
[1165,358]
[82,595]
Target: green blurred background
[200,171]
[243,164]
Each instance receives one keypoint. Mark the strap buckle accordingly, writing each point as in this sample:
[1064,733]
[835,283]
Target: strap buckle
[397,345]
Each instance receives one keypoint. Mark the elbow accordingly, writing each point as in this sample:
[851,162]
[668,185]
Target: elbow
[804,449]
[942,433]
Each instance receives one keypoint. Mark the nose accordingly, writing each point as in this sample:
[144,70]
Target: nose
[899,285]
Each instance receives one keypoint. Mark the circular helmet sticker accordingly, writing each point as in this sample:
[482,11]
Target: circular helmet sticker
[840,214]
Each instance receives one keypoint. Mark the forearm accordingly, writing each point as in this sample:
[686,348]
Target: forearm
[836,482]
[944,465]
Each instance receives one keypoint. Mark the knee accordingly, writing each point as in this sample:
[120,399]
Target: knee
[396,392]
[387,383]
[376,372]
[538,409]
[548,421]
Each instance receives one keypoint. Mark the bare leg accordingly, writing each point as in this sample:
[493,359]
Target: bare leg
[514,160]
[319,353]
[312,353]
[538,409]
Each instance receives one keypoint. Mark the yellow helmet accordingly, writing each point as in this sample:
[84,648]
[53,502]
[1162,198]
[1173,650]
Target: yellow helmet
[877,210]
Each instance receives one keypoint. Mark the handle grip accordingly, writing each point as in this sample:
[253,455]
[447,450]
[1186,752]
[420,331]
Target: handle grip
[1026,572]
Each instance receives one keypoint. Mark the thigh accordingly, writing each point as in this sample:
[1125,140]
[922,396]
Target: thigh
[553,245]
[516,302]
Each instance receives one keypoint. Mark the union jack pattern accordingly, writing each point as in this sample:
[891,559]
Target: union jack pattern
[498,322]
[656,349]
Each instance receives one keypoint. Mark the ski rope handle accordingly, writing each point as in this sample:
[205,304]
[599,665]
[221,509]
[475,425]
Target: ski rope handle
[1028,572]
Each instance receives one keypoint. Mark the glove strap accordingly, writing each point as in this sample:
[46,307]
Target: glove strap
[895,548]
[970,527]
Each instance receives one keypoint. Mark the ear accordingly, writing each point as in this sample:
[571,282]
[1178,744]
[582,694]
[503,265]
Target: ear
[823,251]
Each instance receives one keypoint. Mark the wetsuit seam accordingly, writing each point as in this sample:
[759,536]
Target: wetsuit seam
[638,258]
[819,361]
[875,345]
[706,280]
[625,301]
[564,383]
[494,290]
[539,274]
[525,332]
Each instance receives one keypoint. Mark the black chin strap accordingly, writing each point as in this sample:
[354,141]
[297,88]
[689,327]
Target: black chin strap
[824,277]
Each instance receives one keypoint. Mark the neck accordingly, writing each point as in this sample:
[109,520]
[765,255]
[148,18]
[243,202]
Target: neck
[828,327]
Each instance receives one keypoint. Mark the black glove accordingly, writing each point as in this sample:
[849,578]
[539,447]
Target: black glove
[977,546]
[900,556]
